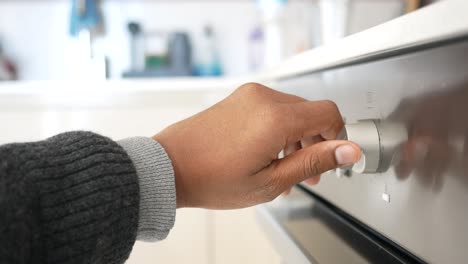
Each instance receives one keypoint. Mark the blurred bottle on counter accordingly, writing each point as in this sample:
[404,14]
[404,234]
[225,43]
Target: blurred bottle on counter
[207,58]
[256,49]
[7,68]
[137,46]
[273,21]
[158,53]
[284,28]
[156,48]
[86,24]
[180,53]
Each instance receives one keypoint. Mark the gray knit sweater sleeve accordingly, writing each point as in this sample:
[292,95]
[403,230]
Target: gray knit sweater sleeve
[73,198]
[157,187]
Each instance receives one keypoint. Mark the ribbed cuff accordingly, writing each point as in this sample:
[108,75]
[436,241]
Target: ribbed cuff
[157,187]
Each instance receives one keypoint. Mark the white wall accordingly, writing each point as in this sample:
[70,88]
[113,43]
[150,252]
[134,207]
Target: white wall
[33,36]
[36,32]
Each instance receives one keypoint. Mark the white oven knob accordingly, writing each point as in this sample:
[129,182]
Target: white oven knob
[379,141]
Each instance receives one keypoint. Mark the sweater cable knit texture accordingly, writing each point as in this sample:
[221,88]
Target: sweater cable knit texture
[73,198]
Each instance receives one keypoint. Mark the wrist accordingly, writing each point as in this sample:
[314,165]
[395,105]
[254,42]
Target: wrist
[162,139]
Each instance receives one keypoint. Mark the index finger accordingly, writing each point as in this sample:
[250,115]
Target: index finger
[313,118]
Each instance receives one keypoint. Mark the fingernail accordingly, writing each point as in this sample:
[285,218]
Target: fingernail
[346,155]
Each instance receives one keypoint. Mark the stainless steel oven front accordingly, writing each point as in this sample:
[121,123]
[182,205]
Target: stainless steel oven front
[408,202]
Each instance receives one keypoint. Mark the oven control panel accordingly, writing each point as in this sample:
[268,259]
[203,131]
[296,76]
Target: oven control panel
[407,112]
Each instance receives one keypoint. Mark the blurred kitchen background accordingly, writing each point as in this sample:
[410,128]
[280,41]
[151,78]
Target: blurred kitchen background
[76,39]
[131,67]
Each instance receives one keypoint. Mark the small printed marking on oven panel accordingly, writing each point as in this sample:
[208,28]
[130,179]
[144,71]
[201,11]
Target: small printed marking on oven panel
[386,197]
[370,100]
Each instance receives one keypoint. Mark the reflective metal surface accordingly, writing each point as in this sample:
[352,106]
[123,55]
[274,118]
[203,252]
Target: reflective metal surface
[420,202]
[305,230]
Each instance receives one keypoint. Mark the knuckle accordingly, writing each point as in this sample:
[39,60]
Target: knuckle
[312,165]
[251,88]
[336,121]
[333,108]
[330,105]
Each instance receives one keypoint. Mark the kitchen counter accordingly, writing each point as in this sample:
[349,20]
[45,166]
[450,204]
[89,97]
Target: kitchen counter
[70,94]
[120,86]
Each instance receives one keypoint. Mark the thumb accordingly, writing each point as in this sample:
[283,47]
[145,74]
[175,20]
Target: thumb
[313,160]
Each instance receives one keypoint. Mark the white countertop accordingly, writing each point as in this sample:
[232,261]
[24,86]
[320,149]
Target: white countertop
[179,84]
[163,92]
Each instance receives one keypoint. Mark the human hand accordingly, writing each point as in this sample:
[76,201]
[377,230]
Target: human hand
[226,157]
